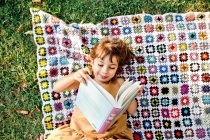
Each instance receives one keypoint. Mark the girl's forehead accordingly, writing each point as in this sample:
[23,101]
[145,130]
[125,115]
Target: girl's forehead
[109,58]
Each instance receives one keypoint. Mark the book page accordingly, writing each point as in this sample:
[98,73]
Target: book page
[103,91]
[92,104]
[123,87]
[129,92]
[127,101]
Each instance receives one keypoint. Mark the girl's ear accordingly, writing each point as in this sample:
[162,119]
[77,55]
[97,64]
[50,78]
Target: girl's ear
[91,61]
[88,58]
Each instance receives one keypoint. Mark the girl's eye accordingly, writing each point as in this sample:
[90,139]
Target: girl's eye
[112,68]
[100,65]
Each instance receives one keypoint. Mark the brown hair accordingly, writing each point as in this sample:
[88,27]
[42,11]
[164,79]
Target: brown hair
[112,47]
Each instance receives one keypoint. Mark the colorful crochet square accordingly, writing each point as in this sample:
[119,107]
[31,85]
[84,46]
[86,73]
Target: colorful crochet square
[173,63]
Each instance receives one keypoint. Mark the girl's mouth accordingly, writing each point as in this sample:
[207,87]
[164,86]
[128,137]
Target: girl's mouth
[103,77]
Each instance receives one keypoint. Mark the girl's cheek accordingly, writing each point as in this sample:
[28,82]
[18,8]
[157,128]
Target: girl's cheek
[114,72]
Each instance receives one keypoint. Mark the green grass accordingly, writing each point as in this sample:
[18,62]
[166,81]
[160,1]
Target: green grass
[18,84]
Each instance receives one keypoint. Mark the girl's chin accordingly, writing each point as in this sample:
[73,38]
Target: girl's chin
[103,79]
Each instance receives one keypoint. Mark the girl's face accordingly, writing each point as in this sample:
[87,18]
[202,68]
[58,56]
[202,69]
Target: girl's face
[103,69]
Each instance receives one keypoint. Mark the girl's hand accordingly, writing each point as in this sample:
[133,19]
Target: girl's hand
[81,75]
[141,91]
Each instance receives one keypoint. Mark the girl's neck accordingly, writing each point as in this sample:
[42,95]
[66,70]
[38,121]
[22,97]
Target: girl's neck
[103,83]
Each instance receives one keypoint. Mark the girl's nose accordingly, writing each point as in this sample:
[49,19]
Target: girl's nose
[104,69]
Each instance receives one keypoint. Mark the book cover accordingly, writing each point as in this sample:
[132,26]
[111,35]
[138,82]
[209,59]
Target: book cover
[99,106]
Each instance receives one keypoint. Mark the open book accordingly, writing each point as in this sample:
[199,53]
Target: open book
[99,106]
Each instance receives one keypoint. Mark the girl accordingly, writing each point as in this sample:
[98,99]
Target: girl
[105,59]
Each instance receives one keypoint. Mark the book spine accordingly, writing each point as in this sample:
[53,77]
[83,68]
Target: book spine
[112,115]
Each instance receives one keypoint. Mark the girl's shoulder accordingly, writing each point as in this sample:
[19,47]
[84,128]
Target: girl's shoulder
[119,81]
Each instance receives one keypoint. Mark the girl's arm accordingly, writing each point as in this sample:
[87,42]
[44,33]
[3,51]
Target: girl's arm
[71,81]
[132,107]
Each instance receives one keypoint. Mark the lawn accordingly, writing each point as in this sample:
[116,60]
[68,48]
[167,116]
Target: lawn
[20,100]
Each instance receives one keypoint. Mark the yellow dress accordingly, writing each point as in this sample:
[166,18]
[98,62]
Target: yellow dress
[80,129]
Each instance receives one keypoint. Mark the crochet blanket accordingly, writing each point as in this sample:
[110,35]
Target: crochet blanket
[173,63]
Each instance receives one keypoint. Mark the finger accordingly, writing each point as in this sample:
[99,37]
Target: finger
[78,77]
[89,71]
[141,91]
[83,75]
[139,94]
[82,80]
[141,87]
